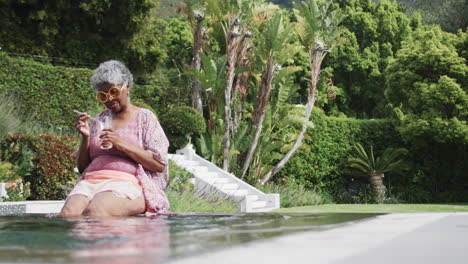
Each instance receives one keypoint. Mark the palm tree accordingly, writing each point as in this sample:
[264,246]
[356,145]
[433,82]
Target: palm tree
[228,14]
[233,17]
[273,41]
[318,32]
[195,18]
[374,168]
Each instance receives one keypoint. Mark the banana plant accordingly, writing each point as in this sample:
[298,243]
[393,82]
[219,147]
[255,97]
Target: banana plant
[212,75]
[375,167]
[318,30]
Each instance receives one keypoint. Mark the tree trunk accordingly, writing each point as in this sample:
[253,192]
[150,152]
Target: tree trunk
[315,60]
[196,65]
[260,110]
[241,81]
[231,60]
[376,181]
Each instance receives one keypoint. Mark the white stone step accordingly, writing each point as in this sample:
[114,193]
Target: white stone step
[199,169]
[252,197]
[217,180]
[176,157]
[210,179]
[189,163]
[238,193]
[226,186]
[208,175]
[259,204]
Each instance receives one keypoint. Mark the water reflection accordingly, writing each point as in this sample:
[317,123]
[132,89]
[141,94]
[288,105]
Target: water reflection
[123,240]
[40,239]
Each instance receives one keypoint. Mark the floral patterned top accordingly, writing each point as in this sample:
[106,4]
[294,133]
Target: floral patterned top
[151,137]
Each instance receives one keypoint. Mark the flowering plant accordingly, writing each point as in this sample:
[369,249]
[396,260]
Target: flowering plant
[17,191]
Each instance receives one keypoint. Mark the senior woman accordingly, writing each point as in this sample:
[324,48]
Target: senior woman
[129,178]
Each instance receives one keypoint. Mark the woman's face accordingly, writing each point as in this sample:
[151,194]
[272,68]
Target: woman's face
[118,104]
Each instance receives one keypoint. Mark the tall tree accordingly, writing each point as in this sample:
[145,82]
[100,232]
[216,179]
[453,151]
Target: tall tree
[195,16]
[317,27]
[232,20]
[374,31]
[428,87]
[228,15]
[272,41]
[451,15]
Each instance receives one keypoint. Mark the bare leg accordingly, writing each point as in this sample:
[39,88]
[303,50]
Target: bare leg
[75,205]
[107,204]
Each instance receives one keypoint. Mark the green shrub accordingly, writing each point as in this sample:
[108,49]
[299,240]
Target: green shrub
[179,179]
[144,105]
[437,171]
[9,121]
[44,161]
[47,93]
[182,122]
[331,143]
[294,195]
[7,174]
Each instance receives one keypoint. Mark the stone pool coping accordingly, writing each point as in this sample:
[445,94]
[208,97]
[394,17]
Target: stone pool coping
[393,238]
[31,207]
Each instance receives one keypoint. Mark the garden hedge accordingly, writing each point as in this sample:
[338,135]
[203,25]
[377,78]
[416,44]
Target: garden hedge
[331,142]
[48,94]
[438,172]
[44,161]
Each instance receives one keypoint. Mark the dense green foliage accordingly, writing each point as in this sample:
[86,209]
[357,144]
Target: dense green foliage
[83,33]
[9,122]
[386,65]
[374,31]
[451,15]
[428,85]
[293,195]
[331,142]
[180,123]
[436,172]
[44,161]
[47,94]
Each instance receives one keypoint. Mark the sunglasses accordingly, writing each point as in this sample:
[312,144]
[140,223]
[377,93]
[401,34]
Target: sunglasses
[113,93]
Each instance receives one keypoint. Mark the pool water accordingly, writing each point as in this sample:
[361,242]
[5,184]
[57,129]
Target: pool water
[158,239]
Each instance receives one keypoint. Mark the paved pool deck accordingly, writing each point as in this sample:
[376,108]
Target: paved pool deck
[416,238]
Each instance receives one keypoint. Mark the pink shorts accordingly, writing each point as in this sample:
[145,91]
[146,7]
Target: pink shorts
[121,184]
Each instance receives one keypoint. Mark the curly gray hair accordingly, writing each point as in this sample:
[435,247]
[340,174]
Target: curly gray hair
[113,72]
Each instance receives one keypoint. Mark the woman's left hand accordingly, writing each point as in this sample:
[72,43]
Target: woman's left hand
[109,135]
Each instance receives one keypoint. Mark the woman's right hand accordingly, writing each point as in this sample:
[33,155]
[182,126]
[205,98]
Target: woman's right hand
[82,124]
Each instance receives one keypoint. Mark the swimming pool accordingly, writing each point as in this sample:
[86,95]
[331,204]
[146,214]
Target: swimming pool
[158,239]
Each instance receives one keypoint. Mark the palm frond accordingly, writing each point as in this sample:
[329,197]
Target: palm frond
[361,152]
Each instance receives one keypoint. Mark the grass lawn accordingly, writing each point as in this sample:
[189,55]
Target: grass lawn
[376,208]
